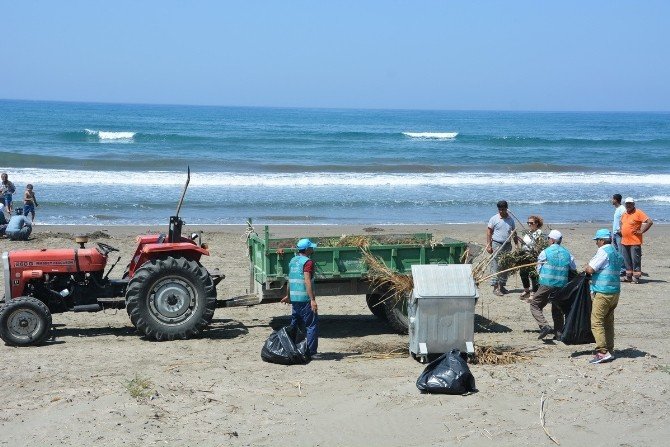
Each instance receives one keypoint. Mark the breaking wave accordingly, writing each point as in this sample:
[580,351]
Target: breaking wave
[432,135]
[108,135]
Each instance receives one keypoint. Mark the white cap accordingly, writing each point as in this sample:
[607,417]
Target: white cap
[555,235]
[629,200]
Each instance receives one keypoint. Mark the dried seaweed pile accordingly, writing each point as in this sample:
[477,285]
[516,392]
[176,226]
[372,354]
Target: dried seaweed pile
[360,241]
[521,257]
[393,285]
[488,355]
[381,351]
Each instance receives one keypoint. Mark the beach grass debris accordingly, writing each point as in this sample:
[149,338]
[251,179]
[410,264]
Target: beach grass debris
[381,351]
[139,387]
[359,241]
[522,257]
[391,285]
[504,355]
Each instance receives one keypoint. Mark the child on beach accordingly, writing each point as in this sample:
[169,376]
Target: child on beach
[29,202]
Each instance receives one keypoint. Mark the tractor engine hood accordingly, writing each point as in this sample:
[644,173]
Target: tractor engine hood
[23,265]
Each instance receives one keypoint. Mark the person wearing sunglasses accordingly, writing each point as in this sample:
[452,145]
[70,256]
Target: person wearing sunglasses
[529,239]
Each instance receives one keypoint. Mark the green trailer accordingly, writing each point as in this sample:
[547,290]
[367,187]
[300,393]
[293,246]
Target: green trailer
[341,269]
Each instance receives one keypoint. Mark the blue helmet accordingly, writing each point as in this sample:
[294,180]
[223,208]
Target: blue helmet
[603,233]
[304,244]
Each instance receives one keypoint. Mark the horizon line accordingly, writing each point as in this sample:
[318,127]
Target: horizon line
[328,108]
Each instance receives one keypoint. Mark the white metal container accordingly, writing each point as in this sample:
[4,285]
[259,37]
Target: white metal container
[441,309]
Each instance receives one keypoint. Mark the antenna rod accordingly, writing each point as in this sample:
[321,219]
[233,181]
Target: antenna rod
[183,192]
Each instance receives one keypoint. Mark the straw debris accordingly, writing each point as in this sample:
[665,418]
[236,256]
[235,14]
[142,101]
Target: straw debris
[394,286]
[489,355]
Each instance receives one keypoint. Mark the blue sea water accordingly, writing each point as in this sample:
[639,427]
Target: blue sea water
[126,164]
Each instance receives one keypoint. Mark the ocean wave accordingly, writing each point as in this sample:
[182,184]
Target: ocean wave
[528,141]
[432,135]
[661,199]
[109,135]
[329,179]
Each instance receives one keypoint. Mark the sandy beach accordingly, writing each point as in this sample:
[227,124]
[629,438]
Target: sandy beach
[216,391]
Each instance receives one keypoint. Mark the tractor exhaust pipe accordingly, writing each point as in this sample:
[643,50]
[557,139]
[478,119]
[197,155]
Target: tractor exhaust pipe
[183,192]
[174,231]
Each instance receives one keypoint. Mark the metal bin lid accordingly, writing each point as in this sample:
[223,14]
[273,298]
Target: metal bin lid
[452,280]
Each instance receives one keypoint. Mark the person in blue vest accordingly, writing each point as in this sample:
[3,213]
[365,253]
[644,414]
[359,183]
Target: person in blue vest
[301,293]
[554,265]
[604,269]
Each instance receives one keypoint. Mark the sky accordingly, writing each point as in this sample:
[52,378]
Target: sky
[449,55]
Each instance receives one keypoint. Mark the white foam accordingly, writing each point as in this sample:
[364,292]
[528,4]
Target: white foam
[665,199]
[104,135]
[321,179]
[432,135]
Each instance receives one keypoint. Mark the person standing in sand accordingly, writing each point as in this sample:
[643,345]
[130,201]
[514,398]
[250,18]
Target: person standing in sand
[498,233]
[619,209]
[6,190]
[29,202]
[301,293]
[554,265]
[529,240]
[604,269]
[634,223]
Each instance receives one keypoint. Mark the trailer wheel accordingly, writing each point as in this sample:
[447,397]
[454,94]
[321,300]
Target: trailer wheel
[171,298]
[24,321]
[375,305]
[396,313]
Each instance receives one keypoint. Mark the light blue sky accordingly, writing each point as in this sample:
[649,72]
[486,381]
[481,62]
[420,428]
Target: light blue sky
[504,55]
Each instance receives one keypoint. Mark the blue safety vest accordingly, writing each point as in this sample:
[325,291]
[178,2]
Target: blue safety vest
[554,273]
[607,280]
[296,279]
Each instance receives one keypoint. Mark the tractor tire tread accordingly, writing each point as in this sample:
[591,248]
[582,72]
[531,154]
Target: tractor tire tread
[135,305]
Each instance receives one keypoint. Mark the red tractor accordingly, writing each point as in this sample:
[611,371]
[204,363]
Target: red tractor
[167,292]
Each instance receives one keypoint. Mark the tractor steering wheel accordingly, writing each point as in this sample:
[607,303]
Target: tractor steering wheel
[105,249]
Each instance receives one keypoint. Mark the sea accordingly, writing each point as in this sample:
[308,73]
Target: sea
[120,164]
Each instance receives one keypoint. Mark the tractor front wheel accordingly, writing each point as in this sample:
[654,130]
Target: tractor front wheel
[24,321]
[171,298]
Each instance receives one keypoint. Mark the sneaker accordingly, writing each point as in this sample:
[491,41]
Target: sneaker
[558,335]
[636,280]
[626,279]
[525,294]
[503,289]
[497,292]
[600,358]
[544,331]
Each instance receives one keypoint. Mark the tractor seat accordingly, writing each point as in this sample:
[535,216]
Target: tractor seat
[161,238]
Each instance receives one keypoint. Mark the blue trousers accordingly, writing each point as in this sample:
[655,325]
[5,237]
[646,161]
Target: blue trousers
[304,317]
[20,235]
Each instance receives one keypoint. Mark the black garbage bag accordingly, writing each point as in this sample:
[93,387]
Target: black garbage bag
[448,374]
[575,301]
[287,346]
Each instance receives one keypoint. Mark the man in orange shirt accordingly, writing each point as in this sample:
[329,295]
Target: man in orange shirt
[634,223]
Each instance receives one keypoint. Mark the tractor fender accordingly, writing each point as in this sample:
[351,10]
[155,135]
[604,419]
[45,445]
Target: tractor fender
[183,248]
[187,250]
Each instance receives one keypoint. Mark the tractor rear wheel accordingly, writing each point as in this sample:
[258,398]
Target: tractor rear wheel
[375,305]
[171,298]
[24,321]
